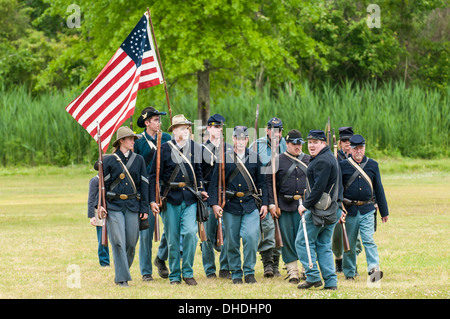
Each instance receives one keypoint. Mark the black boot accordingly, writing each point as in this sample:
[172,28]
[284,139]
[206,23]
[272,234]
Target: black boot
[275,265]
[338,265]
[266,258]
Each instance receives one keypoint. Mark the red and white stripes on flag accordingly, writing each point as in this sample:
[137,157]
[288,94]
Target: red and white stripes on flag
[110,100]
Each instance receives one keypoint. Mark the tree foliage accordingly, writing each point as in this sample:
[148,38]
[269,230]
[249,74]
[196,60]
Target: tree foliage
[247,44]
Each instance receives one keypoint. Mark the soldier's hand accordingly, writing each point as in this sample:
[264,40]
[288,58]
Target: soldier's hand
[102,212]
[301,209]
[155,208]
[384,219]
[204,195]
[218,211]
[273,212]
[263,212]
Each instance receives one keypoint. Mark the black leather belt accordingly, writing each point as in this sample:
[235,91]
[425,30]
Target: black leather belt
[290,198]
[112,195]
[352,202]
[231,194]
[175,185]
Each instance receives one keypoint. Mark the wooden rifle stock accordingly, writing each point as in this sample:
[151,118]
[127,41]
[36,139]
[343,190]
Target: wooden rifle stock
[344,231]
[334,144]
[101,189]
[221,188]
[278,238]
[157,186]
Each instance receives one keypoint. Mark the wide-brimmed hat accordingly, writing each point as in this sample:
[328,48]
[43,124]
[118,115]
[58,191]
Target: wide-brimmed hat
[179,119]
[122,132]
[147,113]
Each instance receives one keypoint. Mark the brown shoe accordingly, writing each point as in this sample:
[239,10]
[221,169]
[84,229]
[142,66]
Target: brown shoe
[190,281]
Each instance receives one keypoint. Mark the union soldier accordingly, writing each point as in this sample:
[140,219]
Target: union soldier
[345,133]
[362,184]
[290,186]
[210,156]
[344,142]
[322,177]
[126,186]
[273,141]
[181,178]
[146,146]
[246,205]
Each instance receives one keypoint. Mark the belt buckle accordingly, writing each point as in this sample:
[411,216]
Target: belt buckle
[240,194]
[297,197]
[123,196]
[181,184]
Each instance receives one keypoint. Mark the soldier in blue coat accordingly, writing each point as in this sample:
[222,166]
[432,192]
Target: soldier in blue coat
[273,141]
[126,186]
[290,186]
[180,175]
[211,154]
[244,208]
[322,177]
[150,119]
[362,185]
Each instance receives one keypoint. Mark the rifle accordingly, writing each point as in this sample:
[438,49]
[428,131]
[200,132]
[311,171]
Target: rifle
[255,143]
[344,231]
[328,131]
[157,187]
[101,189]
[334,144]
[278,238]
[222,188]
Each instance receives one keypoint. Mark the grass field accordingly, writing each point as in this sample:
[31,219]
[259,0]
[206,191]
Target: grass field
[46,240]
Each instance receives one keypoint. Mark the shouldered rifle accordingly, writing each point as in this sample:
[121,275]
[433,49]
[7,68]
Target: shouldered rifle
[221,189]
[255,144]
[278,238]
[334,144]
[101,190]
[157,187]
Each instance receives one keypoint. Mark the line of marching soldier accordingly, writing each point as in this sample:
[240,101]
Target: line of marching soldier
[256,191]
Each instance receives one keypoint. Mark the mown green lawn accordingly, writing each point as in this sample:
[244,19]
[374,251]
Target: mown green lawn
[46,242]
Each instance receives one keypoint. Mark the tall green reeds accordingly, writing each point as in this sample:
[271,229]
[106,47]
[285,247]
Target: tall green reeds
[394,119]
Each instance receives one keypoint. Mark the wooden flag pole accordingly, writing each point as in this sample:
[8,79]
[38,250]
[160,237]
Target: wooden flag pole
[160,64]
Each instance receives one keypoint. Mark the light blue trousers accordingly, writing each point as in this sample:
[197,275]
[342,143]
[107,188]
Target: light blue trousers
[363,224]
[145,246]
[180,222]
[319,239]
[244,226]
[208,246]
[123,233]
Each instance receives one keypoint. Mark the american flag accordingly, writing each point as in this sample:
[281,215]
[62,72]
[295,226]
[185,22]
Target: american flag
[110,100]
